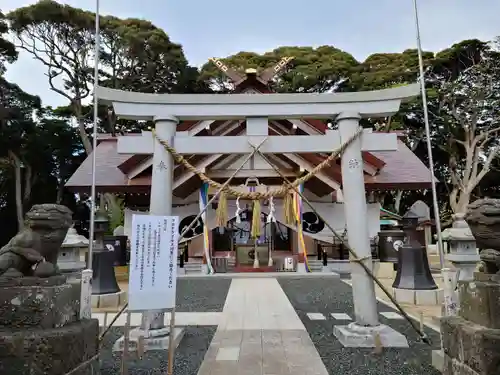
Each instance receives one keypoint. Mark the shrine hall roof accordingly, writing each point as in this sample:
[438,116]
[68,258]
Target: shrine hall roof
[401,169]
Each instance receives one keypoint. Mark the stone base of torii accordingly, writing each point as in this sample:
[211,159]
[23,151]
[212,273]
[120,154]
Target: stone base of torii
[347,109]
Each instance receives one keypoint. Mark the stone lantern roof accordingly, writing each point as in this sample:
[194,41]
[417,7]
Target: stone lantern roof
[73,239]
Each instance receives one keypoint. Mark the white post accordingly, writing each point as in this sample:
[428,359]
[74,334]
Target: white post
[161,194]
[365,331]
[353,183]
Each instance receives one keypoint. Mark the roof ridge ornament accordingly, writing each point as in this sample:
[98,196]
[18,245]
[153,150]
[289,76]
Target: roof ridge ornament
[264,77]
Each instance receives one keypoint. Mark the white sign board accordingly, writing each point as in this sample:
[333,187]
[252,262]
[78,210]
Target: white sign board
[153,262]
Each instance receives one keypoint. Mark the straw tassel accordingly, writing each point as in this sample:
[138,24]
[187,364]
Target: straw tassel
[289,209]
[256,219]
[221,216]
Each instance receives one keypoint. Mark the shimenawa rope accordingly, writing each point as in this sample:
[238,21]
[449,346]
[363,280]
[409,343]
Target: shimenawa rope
[257,195]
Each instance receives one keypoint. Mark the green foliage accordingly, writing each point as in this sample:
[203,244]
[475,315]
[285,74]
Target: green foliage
[116,212]
[8,51]
[312,69]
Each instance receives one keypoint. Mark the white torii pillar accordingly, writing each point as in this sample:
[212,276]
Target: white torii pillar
[353,183]
[366,326]
[161,195]
[153,322]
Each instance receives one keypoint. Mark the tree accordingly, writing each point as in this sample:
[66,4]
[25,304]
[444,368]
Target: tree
[8,51]
[38,152]
[469,114]
[135,55]
[63,150]
[321,69]
[62,39]
[16,130]
[138,56]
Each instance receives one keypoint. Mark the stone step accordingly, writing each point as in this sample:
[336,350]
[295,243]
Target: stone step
[191,268]
[315,265]
[434,262]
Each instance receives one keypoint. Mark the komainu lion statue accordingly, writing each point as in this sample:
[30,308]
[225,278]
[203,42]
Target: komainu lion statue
[483,217]
[34,250]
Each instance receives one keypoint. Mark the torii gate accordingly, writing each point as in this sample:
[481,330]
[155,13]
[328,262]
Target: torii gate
[166,110]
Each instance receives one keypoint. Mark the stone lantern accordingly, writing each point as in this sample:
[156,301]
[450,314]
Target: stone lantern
[70,257]
[462,246]
[101,226]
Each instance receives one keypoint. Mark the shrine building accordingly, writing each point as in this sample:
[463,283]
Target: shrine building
[129,175]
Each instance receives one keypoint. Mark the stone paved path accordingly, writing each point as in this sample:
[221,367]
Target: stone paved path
[260,334]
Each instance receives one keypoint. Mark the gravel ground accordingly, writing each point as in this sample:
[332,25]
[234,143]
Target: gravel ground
[188,356]
[202,295]
[334,296]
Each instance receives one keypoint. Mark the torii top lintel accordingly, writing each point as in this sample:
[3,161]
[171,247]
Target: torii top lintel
[143,106]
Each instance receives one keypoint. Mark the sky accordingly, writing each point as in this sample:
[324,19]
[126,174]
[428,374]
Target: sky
[220,28]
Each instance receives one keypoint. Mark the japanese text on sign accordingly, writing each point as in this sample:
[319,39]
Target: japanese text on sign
[153,264]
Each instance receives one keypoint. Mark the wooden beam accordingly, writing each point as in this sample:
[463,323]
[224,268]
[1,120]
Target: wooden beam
[230,73]
[200,126]
[186,176]
[141,167]
[371,169]
[273,71]
[247,173]
[335,185]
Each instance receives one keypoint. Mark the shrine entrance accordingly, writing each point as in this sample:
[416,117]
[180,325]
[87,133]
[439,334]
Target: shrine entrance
[346,109]
[235,240]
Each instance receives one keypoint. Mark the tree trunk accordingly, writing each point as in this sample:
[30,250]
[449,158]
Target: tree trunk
[87,145]
[29,181]
[397,201]
[18,189]
[60,192]
[463,202]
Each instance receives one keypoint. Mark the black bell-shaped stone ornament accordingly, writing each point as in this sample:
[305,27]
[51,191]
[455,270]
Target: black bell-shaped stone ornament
[103,259]
[104,278]
[413,271]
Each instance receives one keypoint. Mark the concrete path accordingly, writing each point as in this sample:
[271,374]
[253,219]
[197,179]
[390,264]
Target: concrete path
[260,334]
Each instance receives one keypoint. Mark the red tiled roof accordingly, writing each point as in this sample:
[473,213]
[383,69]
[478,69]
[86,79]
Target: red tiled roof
[108,175]
[402,169]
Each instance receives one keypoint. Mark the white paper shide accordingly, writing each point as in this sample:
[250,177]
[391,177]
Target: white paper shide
[153,262]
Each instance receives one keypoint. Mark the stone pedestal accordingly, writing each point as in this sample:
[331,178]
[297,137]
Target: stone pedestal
[109,300]
[354,335]
[157,339]
[432,297]
[41,330]
[471,341]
